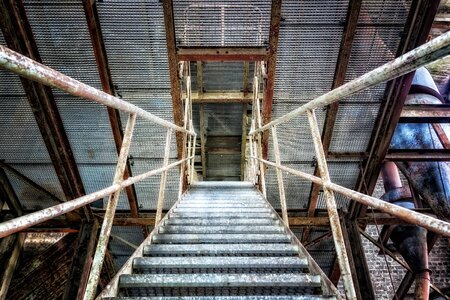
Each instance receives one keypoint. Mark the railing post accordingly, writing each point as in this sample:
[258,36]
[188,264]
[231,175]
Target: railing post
[276,151]
[162,185]
[258,124]
[108,218]
[336,229]
[193,158]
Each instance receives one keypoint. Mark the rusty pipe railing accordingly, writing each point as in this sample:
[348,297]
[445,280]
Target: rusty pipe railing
[406,63]
[33,70]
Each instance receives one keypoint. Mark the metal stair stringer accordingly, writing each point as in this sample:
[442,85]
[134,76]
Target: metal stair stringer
[221,240]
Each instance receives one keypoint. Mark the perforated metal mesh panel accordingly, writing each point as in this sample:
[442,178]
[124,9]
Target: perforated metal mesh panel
[222,23]
[44,175]
[122,252]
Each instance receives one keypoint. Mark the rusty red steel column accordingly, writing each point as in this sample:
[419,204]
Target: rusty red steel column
[162,186]
[108,218]
[335,224]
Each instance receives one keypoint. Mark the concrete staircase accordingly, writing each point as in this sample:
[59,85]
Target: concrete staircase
[223,240]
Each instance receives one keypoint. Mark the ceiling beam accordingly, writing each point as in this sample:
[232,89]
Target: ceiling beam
[417,27]
[275,22]
[98,46]
[19,37]
[222,53]
[221,97]
[340,72]
[175,85]
[416,31]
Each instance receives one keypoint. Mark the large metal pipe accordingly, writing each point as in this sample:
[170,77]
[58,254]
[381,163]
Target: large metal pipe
[408,62]
[409,240]
[431,180]
[31,69]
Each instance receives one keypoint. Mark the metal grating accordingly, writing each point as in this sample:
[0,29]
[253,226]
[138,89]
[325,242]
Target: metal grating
[297,189]
[44,175]
[147,190]
[313,12]
[223,119]
[222,23]
[393,12]
[355,121]
[137,53]
[224,166]
[122,252]
[306,61]
[61,34]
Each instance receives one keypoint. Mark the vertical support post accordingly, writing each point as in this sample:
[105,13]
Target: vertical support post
[276,150]
[189,150]
[258,124]
[105,231]
[162,185]
[336,229]
[244,139]
[193,158]
[203,140]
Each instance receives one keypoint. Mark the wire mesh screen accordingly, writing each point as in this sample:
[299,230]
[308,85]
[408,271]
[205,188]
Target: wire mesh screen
[222,23]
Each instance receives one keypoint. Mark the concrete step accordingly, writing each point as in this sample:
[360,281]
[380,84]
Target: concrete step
[221,249]
[218,280]
[220,238]
[220,229]
[219,262]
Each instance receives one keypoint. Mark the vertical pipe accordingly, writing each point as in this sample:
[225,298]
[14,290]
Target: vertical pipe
[390,175]
[276,149]
[108,219]
[162,185]
[422,288]
[336,229]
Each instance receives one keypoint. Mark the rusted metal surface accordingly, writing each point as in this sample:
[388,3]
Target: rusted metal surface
[222,54]
[19,37]
[417,27]
[275,22]
[343,59]
[113,200]
[430,223]
[276,151]
[162,186]
[423,113]
[175,86]
[101,59]
[402,155]
[18,224]
[338,237]
[21,65]
[404,64]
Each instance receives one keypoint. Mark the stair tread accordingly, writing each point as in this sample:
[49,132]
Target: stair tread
[299,297]
[220,221]
[220,229]
[220,238]
[220,262]
[233,215]
[218,280]
[205,210]
[221,248]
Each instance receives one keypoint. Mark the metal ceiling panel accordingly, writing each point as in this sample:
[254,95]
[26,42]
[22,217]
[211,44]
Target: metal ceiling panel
[62,37]
[147,190]
[223,76]
[296,189]
[222,23]
[353,127]
[42,174]
[313,12]
[393,12]
[135,41]
[306,61]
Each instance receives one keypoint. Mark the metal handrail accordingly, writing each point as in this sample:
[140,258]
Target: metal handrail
[406,63]
[433,50]
[33,70]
